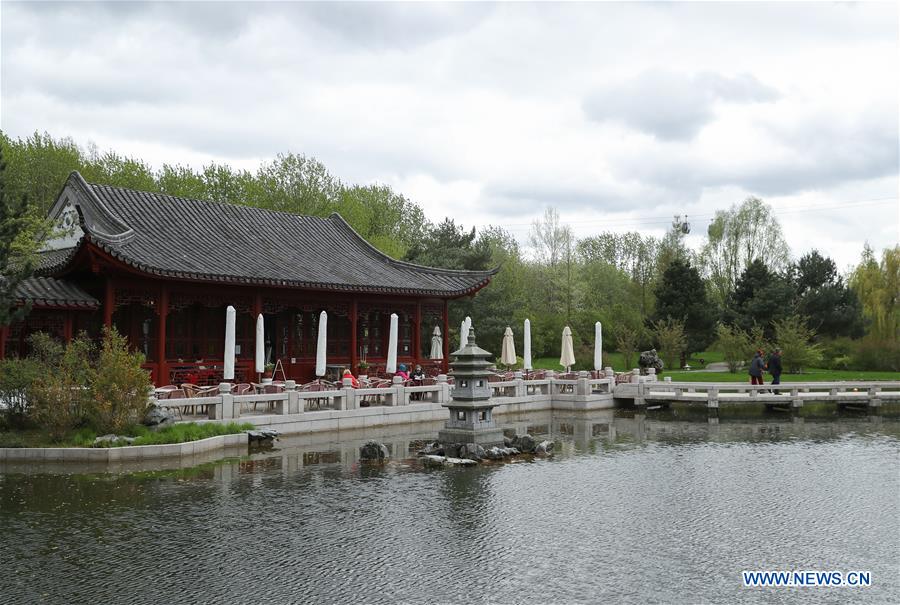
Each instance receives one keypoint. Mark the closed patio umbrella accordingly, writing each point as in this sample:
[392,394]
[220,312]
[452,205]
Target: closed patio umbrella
[598,346]
[321,344]
[230,318]
[260,344]
[437,344]
[463,334]
[508,349]
[391,367]
[567,357]
[526,349]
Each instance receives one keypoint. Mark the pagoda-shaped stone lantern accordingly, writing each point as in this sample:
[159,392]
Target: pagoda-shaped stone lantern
[471,419]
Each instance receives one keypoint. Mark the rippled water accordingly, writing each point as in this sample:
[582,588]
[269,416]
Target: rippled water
[632,510]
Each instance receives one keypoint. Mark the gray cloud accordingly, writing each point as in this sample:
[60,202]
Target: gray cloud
[670,106]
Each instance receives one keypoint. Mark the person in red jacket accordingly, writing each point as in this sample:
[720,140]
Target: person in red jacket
[353,381]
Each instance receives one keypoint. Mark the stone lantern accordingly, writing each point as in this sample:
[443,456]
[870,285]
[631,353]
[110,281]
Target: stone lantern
[471,419]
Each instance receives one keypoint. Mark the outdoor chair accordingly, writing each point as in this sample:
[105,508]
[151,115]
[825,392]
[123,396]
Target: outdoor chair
[315,386]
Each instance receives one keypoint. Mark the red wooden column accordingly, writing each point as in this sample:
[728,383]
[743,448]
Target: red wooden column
[417,333]
[109,303]
[67,326]
[162,368]
[4,333]
[354,345]
[446,336]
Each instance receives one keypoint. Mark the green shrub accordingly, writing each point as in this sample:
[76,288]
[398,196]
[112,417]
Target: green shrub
[17,377]
[60,398]
[119,387]
[796,342]
[734,345]
[877,354]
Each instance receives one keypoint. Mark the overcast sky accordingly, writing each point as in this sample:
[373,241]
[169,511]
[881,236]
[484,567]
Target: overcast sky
[619,115]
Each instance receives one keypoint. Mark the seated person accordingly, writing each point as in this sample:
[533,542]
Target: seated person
[402,373]
[353,381]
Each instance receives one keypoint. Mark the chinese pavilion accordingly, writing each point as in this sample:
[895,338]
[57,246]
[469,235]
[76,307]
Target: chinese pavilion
[163,269]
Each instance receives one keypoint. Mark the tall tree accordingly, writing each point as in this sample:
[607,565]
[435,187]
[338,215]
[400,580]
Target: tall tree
[631,252]
[759,298]
[736,238]
[878,286]
[450,246]
[829,307]
[22,231]
[681,295]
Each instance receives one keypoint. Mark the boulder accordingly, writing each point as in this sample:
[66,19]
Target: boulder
[372,450]
[524,443]
[650,359]
[431,449]
[453,450]
[111,439]
[544,447]
[442,461]
[157,415]
[261,435]
[472,451]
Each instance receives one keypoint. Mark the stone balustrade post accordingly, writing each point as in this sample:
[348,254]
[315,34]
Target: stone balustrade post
[796,401]
[519,389]
[348,402]
[225,409]
[874,400]
[639,400]
[583,384]
[712,398]
[443,395]
[293,401]
[399,396]
[651,374]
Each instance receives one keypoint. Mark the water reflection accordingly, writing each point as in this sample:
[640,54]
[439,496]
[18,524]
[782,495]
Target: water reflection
[666,507]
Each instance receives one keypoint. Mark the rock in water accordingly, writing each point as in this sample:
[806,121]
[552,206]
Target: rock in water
[260,435]
[372,450]
[472,451]
[544,447]
[524,443]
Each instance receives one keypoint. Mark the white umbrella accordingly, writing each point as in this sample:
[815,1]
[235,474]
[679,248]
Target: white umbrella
[437,344]
[567,357]
[260,345]
[463,334]
[526,350]
[598,346]
[508,349]
[391,367]
[230,319]
[321,344]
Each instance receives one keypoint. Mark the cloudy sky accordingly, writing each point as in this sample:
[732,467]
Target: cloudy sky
[619,115]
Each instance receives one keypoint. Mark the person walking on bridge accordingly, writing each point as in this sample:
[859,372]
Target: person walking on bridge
[757,366]
[775,368]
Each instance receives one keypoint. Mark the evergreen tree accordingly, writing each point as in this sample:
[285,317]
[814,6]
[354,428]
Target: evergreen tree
[22,230]
[829,306]
[760,297]
[681,295]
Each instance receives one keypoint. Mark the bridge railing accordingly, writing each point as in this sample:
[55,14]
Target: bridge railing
[793,393]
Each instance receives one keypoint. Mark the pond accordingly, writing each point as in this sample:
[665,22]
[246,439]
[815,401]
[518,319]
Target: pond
[666,508]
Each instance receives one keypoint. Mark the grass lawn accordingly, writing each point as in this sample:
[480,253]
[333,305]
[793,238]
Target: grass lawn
[813,375]
[177,433]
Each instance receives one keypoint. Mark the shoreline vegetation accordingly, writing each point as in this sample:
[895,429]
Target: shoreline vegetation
[85,437]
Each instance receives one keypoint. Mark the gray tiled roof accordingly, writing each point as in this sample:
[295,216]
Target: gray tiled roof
[208,241]
[51,292]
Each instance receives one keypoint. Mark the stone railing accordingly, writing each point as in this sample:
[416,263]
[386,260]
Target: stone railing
[226,405]
[794,394]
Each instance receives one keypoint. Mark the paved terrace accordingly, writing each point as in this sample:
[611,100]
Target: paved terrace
[295,411]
